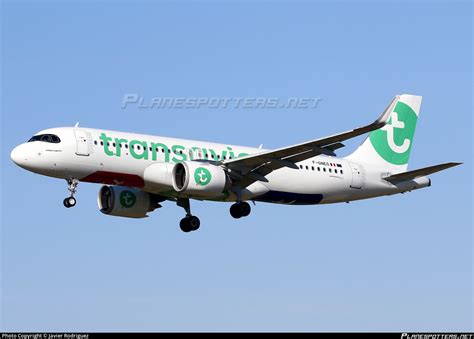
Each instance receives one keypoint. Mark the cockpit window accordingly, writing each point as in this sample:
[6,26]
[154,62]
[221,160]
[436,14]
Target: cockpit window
[46,138]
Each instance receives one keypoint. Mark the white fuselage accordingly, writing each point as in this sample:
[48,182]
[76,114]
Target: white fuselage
[118,158]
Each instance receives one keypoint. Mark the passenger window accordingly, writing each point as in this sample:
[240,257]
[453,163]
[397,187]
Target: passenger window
[95,142]
[330,170]
[324,169]
[319,169]
[342,172]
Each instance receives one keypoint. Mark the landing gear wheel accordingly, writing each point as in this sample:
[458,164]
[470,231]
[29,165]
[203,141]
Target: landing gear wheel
[240,209]
[235,211]
[69,202]
[194,223]
[184,225]
[189,223]
[245,209]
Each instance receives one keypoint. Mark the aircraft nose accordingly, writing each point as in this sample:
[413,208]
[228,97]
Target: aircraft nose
[18,156]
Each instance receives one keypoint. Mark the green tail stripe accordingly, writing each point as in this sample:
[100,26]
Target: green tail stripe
[393,142]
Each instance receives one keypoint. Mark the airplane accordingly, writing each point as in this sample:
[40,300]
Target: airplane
[139,172]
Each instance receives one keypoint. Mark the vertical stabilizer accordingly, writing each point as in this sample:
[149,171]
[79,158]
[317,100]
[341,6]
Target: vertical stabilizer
[390,146]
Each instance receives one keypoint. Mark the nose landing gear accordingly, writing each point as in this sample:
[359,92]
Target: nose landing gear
[72,188]
[69,202]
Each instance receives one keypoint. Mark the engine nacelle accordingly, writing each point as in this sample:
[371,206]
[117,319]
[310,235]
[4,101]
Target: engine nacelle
[199,179]
[158,176]
[126,202]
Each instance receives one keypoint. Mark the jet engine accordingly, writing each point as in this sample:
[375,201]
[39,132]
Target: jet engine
[200,180]
[127,202]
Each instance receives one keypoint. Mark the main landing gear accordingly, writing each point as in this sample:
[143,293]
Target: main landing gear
[72,188]
[240,209]
[189,222]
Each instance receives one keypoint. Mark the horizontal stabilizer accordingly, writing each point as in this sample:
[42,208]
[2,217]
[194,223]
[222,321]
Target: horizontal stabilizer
[410,175]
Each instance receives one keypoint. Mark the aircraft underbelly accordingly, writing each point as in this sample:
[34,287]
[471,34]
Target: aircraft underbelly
[296,187]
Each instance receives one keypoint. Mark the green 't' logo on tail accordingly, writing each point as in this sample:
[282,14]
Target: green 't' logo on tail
[127,199]
[393,141]
[202,176]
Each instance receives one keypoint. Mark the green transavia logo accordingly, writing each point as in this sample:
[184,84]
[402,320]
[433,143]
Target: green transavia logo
[393,141]
[202,176]
[127,199]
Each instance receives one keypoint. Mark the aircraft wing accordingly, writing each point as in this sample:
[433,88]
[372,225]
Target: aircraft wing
[254,167]
[420,172]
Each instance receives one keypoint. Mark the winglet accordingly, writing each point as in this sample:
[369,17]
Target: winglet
[77,124]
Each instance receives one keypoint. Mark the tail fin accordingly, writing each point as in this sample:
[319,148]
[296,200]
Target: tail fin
[389,147]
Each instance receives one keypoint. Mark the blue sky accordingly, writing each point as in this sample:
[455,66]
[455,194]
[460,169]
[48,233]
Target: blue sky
[397,263]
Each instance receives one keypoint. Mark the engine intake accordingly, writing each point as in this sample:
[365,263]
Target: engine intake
[199,179]
[126,202]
